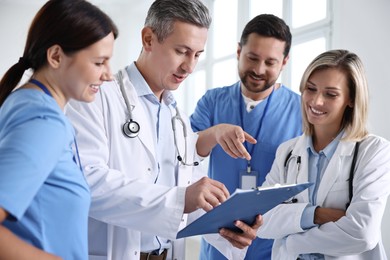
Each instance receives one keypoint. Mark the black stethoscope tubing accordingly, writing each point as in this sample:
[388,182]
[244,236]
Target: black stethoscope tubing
[289,157]
[131,127]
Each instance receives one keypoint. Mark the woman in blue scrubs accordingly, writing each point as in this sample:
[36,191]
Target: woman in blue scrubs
[44,198]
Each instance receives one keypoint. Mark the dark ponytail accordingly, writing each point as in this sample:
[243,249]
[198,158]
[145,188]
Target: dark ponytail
[12,77]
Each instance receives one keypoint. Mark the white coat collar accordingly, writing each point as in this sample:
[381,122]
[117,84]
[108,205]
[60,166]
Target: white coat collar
[341,161]
[139,115]
[339,164]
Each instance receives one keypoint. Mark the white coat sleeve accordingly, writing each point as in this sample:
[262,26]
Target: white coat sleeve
[360,229]
[198,171]
[117,198]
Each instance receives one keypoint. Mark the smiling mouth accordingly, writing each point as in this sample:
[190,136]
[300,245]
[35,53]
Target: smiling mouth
[95,87]
[316,112]
[256,77]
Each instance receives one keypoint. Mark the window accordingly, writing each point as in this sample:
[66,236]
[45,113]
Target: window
[301,55]
[225,28]
[305,12]
[274,7]
[310,26]
[309,23]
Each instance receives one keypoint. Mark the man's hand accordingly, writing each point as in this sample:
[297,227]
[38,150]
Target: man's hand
[230,137]
[206,194]
[244,239]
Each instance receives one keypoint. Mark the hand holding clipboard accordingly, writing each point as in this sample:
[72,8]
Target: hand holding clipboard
[242,205]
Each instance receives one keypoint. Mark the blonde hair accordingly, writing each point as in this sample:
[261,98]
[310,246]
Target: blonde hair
[355,118]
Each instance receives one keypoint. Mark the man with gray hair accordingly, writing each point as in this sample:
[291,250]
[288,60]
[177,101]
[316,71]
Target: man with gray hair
[137,148]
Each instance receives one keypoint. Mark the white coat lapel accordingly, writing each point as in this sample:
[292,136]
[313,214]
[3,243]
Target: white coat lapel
[145,134]
[185,172]
[303,175]
[339,164]
[184,175]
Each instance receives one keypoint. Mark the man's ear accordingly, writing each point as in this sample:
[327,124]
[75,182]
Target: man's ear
[147,38]
[54,56]
[238,50]
[285,59]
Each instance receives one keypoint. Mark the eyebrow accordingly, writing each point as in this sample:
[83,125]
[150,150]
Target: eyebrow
[102,57]
[327,87]
[270,58]
[189,49]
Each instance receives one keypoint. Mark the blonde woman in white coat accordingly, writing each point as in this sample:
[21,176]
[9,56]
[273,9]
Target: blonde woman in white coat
[325,222]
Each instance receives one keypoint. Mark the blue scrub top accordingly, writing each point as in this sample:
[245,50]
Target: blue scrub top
[41,185]
[282,121]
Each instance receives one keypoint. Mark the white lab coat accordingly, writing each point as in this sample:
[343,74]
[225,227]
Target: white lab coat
[354,236]
[121,172]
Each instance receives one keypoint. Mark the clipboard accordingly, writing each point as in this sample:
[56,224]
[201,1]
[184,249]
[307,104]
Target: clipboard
[242,205]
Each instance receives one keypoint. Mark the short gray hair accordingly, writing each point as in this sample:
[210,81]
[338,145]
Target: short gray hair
[163,13]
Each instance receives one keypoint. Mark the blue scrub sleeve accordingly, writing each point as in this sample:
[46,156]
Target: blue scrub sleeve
[201,119]
[31,143]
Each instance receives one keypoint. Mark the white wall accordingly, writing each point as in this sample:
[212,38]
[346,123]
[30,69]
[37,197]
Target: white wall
[362,26]
[130,19]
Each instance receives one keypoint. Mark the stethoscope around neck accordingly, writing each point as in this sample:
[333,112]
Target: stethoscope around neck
[287,162]
[181,121]
[297,159]
[131,127]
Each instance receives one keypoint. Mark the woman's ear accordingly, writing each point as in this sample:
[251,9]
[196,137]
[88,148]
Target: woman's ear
[54,56]
[351,104]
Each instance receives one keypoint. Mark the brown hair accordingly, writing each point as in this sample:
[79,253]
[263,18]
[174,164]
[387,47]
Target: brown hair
[268,25]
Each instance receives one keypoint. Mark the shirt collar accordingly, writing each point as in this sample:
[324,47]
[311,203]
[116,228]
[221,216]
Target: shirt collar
[142,88]
[329,150]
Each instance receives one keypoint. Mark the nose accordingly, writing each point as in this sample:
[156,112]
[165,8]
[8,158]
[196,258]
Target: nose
[189,64]
[318,99]
[259,68]
[107,74]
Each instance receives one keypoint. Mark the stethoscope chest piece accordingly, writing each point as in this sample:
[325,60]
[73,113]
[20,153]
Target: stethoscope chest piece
[131,128]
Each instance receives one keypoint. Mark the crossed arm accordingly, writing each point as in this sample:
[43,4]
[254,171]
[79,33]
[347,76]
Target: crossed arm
[324,215]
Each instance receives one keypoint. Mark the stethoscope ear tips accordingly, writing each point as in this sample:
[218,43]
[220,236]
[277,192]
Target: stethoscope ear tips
[131,129]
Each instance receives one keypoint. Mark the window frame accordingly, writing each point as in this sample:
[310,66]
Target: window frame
[321,28]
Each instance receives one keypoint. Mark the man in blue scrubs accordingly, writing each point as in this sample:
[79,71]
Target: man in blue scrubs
[243,124]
